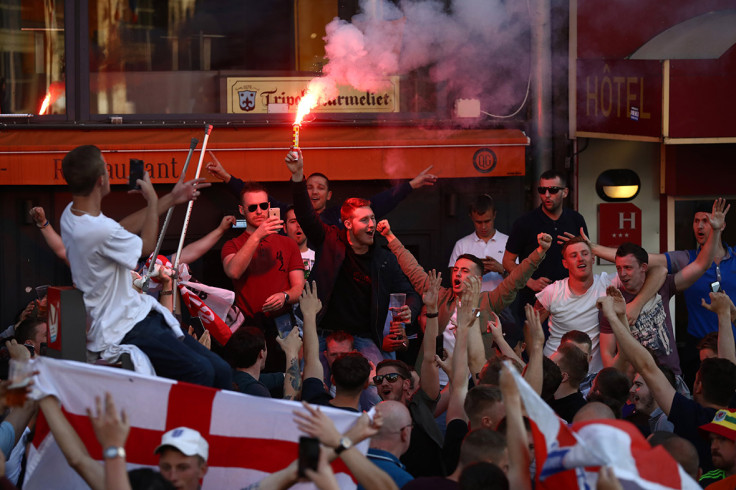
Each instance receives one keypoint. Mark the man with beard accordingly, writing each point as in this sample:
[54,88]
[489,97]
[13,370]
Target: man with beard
[355,277]
[551,218]
[722,434]
[644,402]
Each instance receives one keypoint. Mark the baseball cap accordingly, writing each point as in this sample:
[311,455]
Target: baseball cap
[723,424]
[188,441]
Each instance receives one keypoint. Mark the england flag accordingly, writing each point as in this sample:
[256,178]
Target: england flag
[570,457]
[249,437]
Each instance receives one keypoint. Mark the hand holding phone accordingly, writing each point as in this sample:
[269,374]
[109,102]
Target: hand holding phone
[308,454]
[136,173]
[439,346]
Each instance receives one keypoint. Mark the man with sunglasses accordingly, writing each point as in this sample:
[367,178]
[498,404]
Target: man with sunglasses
[550,217]
[266,269]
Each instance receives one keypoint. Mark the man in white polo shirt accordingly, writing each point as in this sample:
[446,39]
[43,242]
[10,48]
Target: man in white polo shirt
[486,243]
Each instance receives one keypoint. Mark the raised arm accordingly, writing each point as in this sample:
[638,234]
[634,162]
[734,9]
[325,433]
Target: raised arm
[307,217]
[408,263]
[496,330]
[111,430]
[721,305]
[310,305]
[236,264]
[198,248]
[535,344]
[516,437]
[695,269]
[149,227]
[656,275]
[505,293]
[384,202]
[53,239]
[614,307]
[71,445]
[429,371]
[292,375]
[315,423]
[181,193]
[609,253]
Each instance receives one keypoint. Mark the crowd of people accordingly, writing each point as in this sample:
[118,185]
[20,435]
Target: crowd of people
[315,320]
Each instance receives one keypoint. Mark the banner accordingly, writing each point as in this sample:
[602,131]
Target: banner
[570,457]
[249,437]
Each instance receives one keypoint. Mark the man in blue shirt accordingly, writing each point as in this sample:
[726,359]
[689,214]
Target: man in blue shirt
[392,441]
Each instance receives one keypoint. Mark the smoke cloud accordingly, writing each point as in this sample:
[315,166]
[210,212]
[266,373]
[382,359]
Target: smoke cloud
[469,49]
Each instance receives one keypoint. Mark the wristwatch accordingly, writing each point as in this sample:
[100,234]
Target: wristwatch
[113,452]
[286,297]
[345,443]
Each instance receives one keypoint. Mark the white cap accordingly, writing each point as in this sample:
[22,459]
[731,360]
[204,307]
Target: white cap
[188,441]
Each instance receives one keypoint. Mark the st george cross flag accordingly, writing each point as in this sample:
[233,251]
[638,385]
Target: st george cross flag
[249,437]
[570,457]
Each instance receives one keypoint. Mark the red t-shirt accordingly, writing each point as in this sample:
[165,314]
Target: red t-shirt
[267,273]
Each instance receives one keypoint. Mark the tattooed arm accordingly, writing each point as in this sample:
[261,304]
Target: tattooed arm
[292,377]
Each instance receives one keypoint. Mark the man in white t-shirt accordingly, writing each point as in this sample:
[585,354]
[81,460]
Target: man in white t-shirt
[101,254]
[486,243]
[570,303]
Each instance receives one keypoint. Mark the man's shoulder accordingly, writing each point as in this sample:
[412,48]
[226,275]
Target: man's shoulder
[529,217]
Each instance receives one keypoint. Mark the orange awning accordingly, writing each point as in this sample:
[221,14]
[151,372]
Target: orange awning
[33,157]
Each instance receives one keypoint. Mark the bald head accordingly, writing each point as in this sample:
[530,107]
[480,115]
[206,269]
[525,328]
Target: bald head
[593,411]
[395,416]
[395,433]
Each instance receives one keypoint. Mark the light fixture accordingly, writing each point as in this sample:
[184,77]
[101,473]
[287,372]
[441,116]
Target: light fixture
[617,185]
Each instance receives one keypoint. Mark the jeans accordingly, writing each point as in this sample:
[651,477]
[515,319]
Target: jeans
[183,360]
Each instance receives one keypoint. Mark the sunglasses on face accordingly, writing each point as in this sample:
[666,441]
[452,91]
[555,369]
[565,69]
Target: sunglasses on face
[552,190]
[390,377]
[262,205]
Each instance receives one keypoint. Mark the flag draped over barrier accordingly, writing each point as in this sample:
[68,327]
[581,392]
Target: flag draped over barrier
[249,437]
[570,457]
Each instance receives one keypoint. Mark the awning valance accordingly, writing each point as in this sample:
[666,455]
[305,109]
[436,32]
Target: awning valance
[33,157]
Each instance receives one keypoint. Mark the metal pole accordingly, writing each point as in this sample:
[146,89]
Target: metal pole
[146,279]
[207,131]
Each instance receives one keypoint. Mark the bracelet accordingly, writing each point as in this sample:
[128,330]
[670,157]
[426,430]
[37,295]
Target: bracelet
[432,315]
[43,225]
[166,293]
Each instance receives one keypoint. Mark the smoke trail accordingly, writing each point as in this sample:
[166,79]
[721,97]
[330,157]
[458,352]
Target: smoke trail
[473,49]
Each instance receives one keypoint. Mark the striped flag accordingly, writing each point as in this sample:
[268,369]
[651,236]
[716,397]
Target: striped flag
[570,457]
[249,437]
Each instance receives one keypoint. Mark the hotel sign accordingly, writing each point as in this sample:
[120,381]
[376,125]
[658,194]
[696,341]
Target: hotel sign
[619,97]
[263,95]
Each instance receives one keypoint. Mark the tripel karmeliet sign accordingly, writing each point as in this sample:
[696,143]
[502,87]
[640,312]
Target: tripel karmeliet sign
[255,95]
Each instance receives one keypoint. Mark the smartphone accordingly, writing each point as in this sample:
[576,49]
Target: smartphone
[283,325]
[274,212]
[196,324]
[240,223]
[308,454]
[715,287]
[439,346]
[136,172]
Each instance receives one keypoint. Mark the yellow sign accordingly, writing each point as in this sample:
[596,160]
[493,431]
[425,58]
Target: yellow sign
[256,95]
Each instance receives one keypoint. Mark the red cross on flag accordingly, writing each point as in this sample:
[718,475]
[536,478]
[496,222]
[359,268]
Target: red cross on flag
[249,437]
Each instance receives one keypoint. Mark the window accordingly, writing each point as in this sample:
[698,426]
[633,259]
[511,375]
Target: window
[32,60]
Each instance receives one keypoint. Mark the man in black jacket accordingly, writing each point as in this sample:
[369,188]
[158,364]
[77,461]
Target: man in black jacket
[354,275]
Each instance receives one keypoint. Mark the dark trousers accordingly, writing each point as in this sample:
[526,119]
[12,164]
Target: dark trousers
[182,360]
